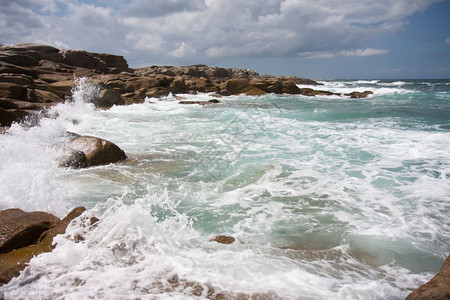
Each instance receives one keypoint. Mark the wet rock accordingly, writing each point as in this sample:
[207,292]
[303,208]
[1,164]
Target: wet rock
[108,98]
[156,92]
[224,239]
[290,87]
[96,150]
[202,103]
[21,228]
[13,262]
[438,288]
[74,159]
[358,95]
[9,116]
[311,92]
[241,86]
[178,85]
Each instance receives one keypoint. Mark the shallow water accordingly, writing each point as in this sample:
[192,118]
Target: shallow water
[328,197]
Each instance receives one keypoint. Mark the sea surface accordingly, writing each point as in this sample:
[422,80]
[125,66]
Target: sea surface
[327,197]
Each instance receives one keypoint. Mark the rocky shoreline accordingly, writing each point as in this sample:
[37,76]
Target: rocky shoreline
[34,77]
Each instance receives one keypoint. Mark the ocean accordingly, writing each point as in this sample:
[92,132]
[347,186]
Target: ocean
[327,197]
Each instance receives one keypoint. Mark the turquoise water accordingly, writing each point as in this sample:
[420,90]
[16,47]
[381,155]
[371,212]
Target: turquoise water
[328,197]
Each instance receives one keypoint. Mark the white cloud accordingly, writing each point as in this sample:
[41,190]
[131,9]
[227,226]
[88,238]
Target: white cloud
[183,50]
[358,52]
[447,41]
[165,29]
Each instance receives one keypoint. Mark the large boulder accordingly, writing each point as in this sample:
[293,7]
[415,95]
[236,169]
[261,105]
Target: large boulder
[13,262]
[96,152]
[107,98]
[115,63]
[20,228]
[438,288]
[81,58]
[241,86]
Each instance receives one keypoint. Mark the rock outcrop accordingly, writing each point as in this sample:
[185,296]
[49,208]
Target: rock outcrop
[14,258]
[34,77]
[438,288]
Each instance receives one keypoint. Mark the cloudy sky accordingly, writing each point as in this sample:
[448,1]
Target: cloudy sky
[321,39]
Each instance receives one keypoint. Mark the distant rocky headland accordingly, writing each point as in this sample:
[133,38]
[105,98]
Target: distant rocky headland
[34,77]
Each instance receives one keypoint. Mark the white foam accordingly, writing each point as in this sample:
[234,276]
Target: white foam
[367,198]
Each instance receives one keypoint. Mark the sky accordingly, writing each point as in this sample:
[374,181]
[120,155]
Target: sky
[320,39]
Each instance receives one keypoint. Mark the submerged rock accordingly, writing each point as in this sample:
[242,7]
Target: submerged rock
[14,261]
[202,103]
[438,288]
[224,239]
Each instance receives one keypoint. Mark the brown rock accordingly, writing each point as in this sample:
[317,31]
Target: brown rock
[311,92]
[55,77]
[223,239]
[9,116]
[164,81]
[97,151]
[115,62]
[156,92]
[241,86]
[269,86]
[202,103]
[63,86]
[217,72]
[74,159]
[290,87]
[358,95]
[8,104]
[13,262]
[178,86]
[25,105]
[80,58]
[19,79]
[47,97]
[108,98]
[253,91]
[13,69]
[136,83]
[12,91]
[438,288]
[21,229]
[18,59]
[202,85]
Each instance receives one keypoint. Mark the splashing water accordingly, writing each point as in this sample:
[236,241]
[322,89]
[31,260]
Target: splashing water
[328,197]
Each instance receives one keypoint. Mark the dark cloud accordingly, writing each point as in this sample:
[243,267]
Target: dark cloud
[178,30]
